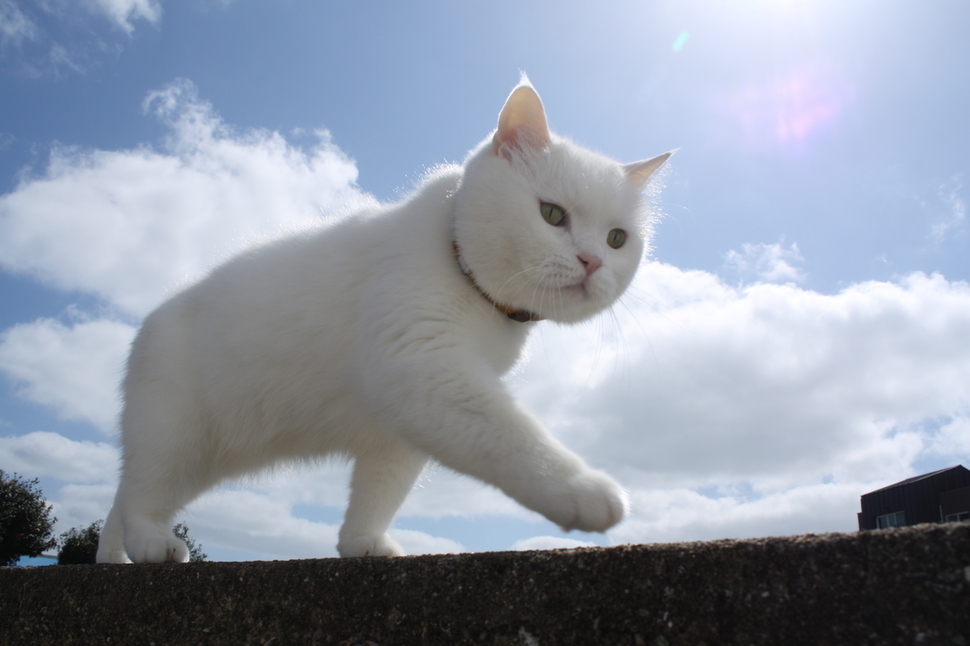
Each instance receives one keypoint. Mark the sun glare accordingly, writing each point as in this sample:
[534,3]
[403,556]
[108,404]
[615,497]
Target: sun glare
[789,109]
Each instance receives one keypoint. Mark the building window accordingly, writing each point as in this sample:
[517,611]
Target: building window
[955,518]
[895,519]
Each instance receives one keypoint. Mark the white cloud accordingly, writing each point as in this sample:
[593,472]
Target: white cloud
[414,542]
[672,515]
[90,470]
[954,211]
[548,543]
[952,440]
[48,454]
[767,263]
[441,493]
[61,58]
[15,26]
[73,369]
[123,12]
[79,505]
[49,37]
[130,225]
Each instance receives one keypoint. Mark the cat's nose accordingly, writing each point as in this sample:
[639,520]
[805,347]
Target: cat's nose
[590,262]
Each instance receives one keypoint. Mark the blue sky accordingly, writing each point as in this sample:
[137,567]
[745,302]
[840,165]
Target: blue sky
[800,335]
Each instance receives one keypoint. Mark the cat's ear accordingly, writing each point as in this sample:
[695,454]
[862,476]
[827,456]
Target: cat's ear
[640,172]
[522,123]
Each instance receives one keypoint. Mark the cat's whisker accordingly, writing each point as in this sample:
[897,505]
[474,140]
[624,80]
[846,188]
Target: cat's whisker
[621,337]
[498,295]
[652,306]
[541,287]
[646,333]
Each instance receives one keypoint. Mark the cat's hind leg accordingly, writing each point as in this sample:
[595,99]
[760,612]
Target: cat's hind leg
[158,479]
[154,486]
[138,530]
[382,478]
[148,510]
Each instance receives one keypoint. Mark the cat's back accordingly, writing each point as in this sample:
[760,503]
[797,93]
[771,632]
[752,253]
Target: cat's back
[335,261]
[316,289]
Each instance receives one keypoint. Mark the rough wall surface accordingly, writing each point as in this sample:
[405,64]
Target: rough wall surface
[906,586]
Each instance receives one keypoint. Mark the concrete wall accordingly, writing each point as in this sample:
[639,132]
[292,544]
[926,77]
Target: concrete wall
[905,586]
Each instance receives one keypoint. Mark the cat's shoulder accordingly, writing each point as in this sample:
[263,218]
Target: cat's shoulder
[439,181]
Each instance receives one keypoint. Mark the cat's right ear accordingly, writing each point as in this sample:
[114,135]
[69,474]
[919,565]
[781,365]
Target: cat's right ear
[640,172]
[522,123]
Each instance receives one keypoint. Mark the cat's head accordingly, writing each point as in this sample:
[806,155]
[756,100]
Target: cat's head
[546,226]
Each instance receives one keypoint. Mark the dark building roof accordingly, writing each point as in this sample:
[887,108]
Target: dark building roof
[932,474]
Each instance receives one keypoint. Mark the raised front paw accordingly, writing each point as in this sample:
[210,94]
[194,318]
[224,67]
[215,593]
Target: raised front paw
[382,545]
[589,501]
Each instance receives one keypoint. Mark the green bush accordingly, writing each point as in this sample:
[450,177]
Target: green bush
[80,545]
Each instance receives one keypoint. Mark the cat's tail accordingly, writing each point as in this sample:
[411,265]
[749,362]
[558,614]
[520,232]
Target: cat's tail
[111,546]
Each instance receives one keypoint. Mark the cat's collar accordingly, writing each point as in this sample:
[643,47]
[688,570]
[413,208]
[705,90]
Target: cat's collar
[521,316]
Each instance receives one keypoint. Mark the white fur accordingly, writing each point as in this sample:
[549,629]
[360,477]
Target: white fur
[365,339]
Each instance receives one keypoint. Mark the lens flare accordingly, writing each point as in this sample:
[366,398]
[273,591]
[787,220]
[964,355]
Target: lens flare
[680,41]
[788,110]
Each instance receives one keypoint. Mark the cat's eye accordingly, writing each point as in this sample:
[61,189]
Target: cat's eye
[616,238]
[554,215]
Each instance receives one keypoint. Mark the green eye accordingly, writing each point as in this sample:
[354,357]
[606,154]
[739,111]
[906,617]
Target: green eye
[616,238]
[554,215]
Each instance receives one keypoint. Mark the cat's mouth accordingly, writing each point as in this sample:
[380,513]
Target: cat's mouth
[571,302]
[578,289]
[581,287]
[569,296]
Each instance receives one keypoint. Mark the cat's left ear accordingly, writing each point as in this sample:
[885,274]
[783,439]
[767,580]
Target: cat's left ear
[640,172]
[522,123]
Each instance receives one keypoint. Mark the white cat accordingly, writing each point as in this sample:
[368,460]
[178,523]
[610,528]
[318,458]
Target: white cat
[383,338]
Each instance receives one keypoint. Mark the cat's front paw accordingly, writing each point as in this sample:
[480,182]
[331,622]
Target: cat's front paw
[592,502]
[382,545]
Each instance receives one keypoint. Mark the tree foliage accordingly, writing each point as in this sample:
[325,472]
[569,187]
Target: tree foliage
[26,524]
[80,545]
[196,555]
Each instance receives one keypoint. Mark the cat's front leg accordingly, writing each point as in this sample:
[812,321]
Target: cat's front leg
[470,423]
[550,479]
[542,475]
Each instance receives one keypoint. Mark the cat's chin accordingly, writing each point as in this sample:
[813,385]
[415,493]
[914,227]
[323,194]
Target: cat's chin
[575,304]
